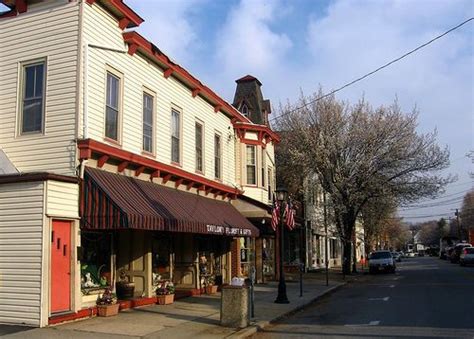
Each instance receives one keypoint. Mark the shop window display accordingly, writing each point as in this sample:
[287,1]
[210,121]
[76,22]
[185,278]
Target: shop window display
[268,257]
[95,254]
[161,253]
[246,256]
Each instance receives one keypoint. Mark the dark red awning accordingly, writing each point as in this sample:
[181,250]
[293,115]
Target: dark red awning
[113,201]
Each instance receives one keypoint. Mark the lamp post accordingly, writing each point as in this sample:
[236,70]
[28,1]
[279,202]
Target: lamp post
[282,196]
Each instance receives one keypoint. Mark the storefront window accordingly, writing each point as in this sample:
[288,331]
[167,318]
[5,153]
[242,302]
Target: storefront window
[292,247]
[268,256]
[96,251]
[246,256]
[161,250]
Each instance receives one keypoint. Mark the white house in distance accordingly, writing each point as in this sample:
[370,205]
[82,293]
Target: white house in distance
[116,163]
[319,237]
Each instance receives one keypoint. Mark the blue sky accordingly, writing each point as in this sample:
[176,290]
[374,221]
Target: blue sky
[294,46]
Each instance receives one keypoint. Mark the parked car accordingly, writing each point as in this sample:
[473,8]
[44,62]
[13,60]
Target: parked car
[397,256]
[467,256]
[457,250]
[381,261]
[448,252]
[433,251]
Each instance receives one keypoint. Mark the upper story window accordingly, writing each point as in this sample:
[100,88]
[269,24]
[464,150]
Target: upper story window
[251,166]
[32,100]
[199,147]
[217,156]
[148,122]
[263,166]
[112,107]
[175,136]
[270,180]
[245,110]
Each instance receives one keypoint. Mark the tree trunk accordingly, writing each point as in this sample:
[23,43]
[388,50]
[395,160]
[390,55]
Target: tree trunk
[354,260]
[349,219]
[346,257]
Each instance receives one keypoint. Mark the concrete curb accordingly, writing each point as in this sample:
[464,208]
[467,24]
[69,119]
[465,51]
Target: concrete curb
[260,325]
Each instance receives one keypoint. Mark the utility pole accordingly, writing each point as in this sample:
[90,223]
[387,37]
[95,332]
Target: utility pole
[459,224]
[326,259]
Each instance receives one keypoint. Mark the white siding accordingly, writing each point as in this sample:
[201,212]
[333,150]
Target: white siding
[21,225]
[256,192]
[62,199]
[101,29]
[50,32]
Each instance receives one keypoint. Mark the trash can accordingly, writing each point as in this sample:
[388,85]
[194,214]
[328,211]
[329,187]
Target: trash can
[235,306]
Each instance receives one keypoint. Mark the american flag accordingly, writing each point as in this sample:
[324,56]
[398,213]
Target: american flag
[275,215]
[290,216]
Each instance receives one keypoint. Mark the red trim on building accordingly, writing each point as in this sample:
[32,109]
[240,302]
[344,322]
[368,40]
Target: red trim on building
[264,132]
[88,147]
[36,176]
[139,170]
[195,92]
[152,52]
[166,178]
[178,182]
[16,7]
[102,160]
[127,17]
[167,73]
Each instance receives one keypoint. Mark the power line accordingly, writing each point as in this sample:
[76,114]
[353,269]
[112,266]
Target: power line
[462,183]
[425,216]
[374,71]
[459,197]
[457,201]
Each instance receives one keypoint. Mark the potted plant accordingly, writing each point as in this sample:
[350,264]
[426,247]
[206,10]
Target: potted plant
[211,287]
[107,304]
[165,293]
[125,288]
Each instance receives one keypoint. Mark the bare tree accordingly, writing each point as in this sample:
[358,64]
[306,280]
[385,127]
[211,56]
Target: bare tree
[467,212]
[432,231]
[397,234]
[376,214]
[360,153]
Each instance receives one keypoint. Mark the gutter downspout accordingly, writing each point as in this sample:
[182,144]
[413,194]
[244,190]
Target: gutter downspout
[85,103]
[85,98]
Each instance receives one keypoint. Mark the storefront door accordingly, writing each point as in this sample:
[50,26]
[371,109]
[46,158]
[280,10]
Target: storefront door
[61,266]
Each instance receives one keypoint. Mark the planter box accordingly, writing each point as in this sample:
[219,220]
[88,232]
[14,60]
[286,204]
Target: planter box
[165,299]
[211,289]
[107,310]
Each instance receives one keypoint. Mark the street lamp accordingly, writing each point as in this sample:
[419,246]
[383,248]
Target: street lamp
[281,196]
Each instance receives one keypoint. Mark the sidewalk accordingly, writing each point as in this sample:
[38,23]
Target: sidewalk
[193,317]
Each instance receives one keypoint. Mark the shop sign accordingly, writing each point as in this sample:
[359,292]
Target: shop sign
[226,230]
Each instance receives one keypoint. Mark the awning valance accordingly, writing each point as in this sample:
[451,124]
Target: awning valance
[112,201]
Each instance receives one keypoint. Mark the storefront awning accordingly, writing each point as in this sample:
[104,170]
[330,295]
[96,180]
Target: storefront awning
[112,201]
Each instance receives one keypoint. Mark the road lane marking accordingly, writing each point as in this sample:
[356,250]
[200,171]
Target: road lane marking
[378,299]
[371,323]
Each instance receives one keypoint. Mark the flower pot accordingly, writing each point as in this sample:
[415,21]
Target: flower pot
[165,299]
[211,289]
[125,290]
[107,310]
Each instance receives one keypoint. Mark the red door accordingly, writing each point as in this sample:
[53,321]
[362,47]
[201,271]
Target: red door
[60,266]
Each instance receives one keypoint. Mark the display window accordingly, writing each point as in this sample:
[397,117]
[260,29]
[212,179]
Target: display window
[95,256]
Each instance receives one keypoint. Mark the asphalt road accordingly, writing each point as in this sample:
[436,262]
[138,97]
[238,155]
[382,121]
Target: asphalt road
[426,298]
